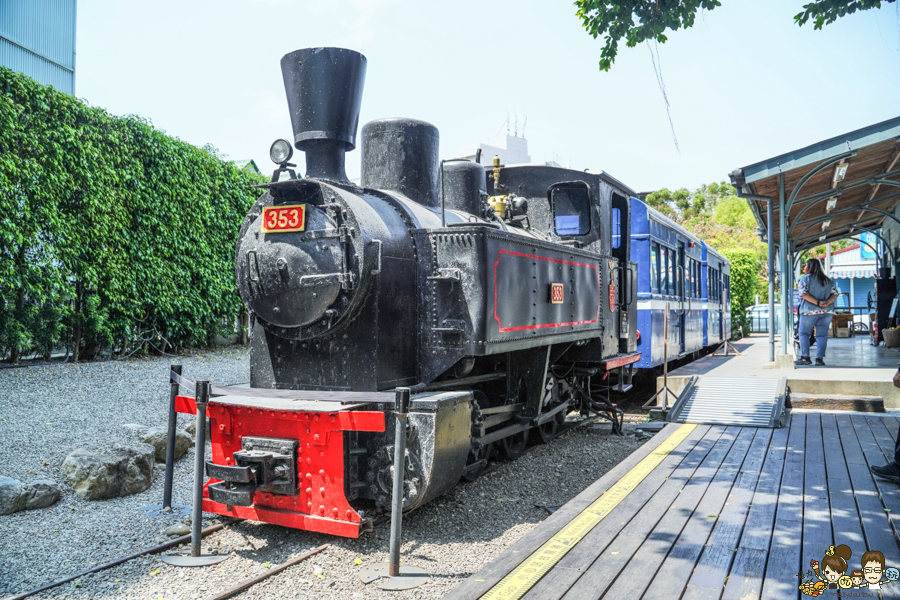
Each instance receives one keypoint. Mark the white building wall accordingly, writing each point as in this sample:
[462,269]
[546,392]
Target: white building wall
[512,150]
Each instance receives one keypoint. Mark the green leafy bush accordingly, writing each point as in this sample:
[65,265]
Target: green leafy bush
[112,234]
[744,270]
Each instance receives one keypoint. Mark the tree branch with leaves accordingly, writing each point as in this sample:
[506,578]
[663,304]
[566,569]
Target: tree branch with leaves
[637,21]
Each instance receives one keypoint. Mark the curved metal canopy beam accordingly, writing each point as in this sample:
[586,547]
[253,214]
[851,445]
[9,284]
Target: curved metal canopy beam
[864,226]
[860,207]
[872,231]
[818,169]
[868,208]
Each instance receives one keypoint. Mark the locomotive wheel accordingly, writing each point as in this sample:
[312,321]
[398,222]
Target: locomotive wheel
[547,431]
[513,446]
[474,456]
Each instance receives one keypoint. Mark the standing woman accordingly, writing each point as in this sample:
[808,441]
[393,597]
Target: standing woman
[817,295]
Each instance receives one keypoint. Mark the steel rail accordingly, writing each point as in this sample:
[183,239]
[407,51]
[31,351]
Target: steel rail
[269,572]
[118,561]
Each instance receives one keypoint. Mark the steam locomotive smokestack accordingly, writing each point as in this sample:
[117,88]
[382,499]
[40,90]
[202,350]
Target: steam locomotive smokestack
[324,90]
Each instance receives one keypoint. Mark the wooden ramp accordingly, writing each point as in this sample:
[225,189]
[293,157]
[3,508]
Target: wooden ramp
[710,512]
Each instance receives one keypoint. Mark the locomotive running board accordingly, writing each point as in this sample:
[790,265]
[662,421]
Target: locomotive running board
[731,401]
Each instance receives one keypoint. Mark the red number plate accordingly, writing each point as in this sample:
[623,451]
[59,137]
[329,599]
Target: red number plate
[280,219]
[612,297]
[557,293]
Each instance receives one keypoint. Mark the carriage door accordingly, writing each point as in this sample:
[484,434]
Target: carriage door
[627,274]
[680,289]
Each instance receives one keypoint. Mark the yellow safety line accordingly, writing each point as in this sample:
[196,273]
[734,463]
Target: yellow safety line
[529,572]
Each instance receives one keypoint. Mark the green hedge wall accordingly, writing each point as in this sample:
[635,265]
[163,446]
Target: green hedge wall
[745,269]
[112,234]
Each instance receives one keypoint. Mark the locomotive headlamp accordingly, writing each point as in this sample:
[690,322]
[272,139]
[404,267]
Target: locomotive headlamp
[281,151]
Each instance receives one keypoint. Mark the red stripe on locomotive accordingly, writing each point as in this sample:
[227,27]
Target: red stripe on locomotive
[543,325]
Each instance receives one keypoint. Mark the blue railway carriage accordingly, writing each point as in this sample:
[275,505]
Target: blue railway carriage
[670,272]
[716,291]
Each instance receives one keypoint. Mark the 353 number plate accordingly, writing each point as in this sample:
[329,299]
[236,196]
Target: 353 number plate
[280,219]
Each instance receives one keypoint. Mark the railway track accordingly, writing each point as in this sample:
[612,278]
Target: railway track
[228,593]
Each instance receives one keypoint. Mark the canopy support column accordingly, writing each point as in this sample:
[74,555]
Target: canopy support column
[770,225]
[785,266]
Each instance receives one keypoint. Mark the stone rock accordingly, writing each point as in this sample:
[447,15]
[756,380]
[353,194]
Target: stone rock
[119,471]
[191,427]
[135,427]
[158,438]
[178,529]
[16,496]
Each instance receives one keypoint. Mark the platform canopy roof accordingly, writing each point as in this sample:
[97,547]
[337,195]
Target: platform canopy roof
[831,190]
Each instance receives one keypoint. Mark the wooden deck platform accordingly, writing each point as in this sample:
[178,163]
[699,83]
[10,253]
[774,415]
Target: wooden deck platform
[728,513]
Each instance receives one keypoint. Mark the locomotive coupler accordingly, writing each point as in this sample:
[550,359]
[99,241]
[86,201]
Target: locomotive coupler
[267,465]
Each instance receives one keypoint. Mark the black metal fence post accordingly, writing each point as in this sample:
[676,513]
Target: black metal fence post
[199,466]
[170,444]
[400,409]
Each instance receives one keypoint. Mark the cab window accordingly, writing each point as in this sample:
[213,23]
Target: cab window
[571,204]
[654,267]
[616,228]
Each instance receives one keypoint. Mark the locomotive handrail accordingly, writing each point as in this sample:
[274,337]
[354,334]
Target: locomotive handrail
[474,224]
[377,270]
[309,395]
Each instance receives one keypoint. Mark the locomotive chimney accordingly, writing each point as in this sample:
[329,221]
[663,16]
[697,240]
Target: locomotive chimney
[324,89]
[401,155]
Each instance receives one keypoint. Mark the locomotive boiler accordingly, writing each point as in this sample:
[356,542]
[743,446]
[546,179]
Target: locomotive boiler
[502,297]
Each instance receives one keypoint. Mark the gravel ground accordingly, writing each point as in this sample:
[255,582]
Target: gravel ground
[47,412]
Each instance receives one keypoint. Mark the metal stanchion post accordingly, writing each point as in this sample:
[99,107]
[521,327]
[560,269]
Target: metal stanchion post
[399,472]
[170,443]
[196,559]
[199,466]
[166,509]
[396,577]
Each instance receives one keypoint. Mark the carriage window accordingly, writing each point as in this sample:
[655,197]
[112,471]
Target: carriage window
[670,275]
[616,228]
[695,279]
[654,267]
[688,277]
[662,270]
[571,208]
[697,286]
[692,273]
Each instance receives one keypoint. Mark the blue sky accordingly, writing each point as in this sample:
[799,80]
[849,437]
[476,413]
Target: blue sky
[744,83]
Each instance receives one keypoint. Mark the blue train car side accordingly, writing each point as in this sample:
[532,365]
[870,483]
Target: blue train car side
[670,273]
[716,297]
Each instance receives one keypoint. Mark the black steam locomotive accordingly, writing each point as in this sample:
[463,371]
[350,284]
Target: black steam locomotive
[503,297]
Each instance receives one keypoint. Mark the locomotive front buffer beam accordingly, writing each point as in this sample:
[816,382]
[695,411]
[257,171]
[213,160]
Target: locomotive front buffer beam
[316,464]
[274,463]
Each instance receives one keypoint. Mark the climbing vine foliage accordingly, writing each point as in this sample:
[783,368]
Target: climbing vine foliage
[113,235]
[745,266]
